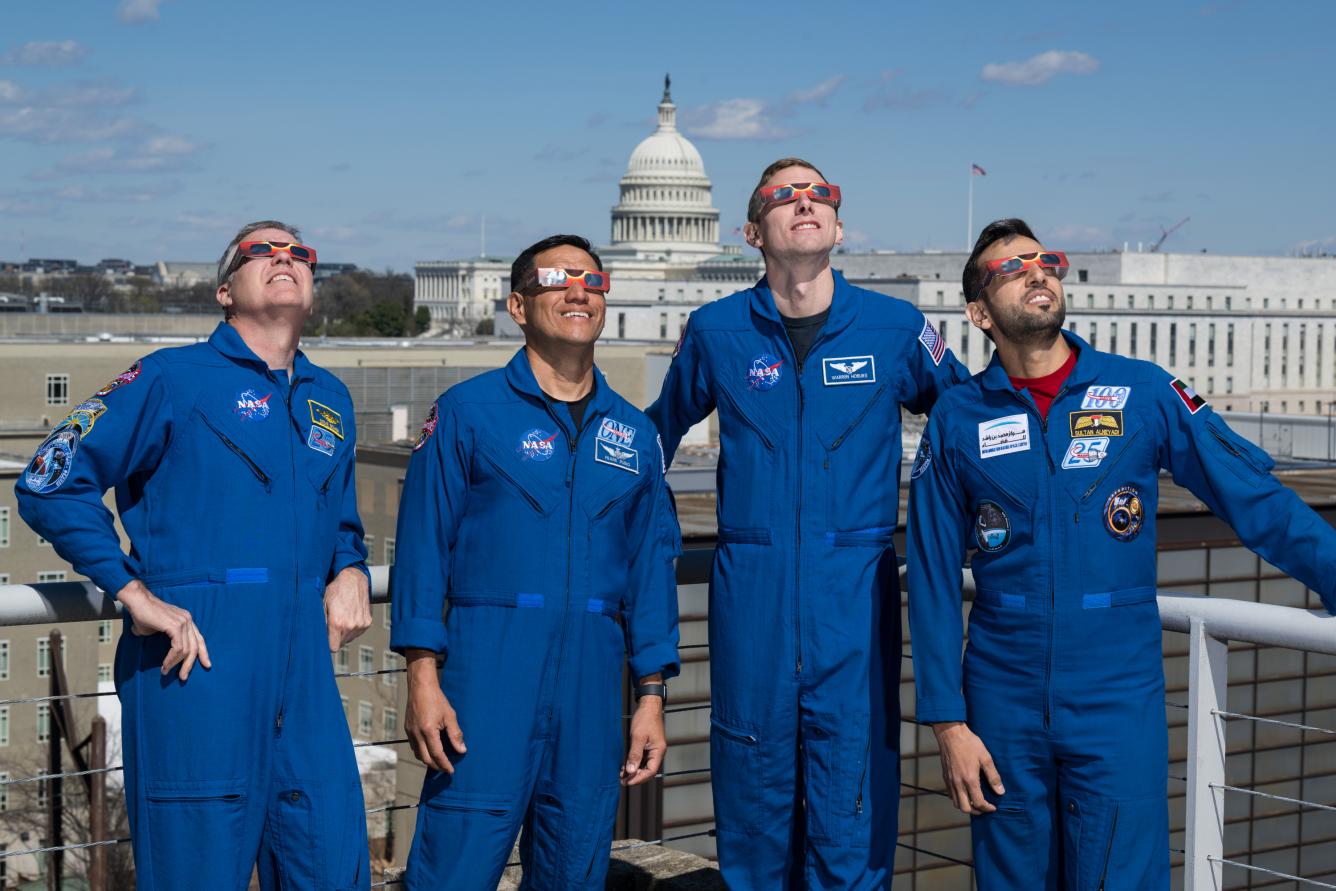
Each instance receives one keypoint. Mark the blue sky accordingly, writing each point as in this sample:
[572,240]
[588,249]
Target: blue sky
[149,129]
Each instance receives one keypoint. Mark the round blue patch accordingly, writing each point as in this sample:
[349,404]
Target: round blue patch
[251,406]
[536,445]
[992,526]
[1124,513]
[50,467]
[763,373]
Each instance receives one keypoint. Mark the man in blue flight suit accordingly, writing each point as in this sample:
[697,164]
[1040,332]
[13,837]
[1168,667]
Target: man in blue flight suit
[232,462]
[1047,462]
[808,375]
[535,506]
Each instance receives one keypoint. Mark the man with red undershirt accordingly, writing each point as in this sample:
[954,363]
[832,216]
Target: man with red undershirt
[1048,462]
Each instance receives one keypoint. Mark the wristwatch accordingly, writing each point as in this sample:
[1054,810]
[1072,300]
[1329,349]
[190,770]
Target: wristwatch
[660,690]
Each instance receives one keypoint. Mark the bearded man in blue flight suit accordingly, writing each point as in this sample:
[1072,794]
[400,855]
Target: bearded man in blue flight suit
[535,506]
[233,464]
[1047,462]
[809,375]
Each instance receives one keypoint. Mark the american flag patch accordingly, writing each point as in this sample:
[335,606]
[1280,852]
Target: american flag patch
[933,343]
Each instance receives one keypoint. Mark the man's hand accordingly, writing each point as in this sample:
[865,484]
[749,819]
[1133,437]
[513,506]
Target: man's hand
[151,616]
[648,741]
[347,607]
[964,758]
[429,713]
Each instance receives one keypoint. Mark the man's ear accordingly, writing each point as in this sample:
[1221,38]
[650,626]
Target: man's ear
[751,233]
[839,231]
[515,306]
[224,295]
[978,315]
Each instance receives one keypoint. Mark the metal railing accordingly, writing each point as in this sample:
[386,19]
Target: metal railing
[1211,623]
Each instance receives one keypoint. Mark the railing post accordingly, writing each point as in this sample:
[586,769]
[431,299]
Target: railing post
[1204,832]
[97,805]
[55,796]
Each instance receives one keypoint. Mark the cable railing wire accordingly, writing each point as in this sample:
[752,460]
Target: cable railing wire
[1235,716]
[1299,801]
[1314,883]
[38,699]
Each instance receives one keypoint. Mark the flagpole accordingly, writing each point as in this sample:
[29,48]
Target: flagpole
[969,217]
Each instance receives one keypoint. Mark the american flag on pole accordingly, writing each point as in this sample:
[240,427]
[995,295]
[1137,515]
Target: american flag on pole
[976,170]
[932,342]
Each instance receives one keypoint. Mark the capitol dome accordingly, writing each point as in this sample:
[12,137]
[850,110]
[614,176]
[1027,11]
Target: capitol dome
[665,195]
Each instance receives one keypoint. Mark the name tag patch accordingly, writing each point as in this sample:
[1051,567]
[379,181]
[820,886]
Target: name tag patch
[1096,423]
[616,456]
[1106,397]
[1085,452]
[849,370]
[1002,435]
[326,417]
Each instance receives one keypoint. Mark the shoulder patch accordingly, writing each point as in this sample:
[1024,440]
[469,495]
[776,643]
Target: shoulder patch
[125,377]
[428,428]
[1193,402]
[932,342]
[923,460]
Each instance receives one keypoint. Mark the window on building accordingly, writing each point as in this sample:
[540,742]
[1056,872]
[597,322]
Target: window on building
[1229,302]
[1154,336]
[1210,346]
[389,551]
[941,298]
[1132,346]
[1150,301]
[663,326]
[57,389]
[621,322]
[104,672]
[385,615]
[389,722]
[1090,301]
[364,713]
[43,657]
[369,542]
[1083,275]
[366,659]
[1094,335]
[1110,301]
[4,660]
[51,575]
[964,343]
[1192,345]
[43,724]
[4,527]
[1266,303]
[104,631]
[1189,301]
[1229,346]
[1210,301]
[390,662]
[4,799]
[4,578]
[4,725]
[1113,337]
[341,660]
[1170,301]
[1266,352]
[1173,342]
[344,700]
[1131,301]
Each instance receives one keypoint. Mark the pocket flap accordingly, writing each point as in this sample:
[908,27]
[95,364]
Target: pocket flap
[195,790]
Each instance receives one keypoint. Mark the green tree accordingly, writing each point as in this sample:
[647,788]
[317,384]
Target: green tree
[421,319]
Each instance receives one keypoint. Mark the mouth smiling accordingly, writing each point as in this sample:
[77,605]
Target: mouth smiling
[283,276]
[805,224]
[575,314]
[1040,296]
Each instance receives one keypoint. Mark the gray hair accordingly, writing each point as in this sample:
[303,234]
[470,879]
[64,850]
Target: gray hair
[228,263]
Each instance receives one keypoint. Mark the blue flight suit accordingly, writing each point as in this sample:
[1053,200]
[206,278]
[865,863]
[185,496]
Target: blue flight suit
[237,494]
[554,549]
[804,594]
[1063,675]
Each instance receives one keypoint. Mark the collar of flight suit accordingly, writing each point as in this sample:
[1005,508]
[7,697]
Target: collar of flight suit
[844,304]
[519,374]
[1089,361]
[228,342]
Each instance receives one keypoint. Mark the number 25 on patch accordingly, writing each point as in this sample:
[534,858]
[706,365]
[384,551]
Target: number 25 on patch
[1086,452]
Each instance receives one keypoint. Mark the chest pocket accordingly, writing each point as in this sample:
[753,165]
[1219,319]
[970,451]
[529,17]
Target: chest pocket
[501,465]
[1001,508]
[861,438]
[741,405]
[247,454]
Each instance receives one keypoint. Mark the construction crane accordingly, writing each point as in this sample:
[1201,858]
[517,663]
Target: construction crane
[1165,233]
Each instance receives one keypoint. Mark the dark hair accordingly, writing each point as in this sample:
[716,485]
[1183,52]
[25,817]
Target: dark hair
[755,203]
[998,230]
[523,267]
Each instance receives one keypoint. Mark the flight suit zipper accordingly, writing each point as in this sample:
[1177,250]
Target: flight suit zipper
[862,777]
[570,540]
[1108,851]
[240,453]
[798,513]
[296,536]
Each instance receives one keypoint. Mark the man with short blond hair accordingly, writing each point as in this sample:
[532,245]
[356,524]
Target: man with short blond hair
[809,375]
[233,466]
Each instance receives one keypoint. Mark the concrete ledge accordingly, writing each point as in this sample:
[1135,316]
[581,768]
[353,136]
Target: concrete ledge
[646,868]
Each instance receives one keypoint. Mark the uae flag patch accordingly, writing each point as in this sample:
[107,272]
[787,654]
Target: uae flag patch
[1189,396]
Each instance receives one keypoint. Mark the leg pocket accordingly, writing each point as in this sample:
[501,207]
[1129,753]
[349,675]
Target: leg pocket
[1121,845]
[736,772]
[462,841]
[321,838]
[196,834]
[1011,849]
[571,838]
[836,754]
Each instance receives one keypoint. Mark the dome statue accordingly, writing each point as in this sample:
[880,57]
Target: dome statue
[665,204]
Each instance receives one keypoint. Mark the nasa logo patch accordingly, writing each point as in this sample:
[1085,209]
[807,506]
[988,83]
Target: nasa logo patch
[992,527]
[763,373]
[536,445]
[251,406]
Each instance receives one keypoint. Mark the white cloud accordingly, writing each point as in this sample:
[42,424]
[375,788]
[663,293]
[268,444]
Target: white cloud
[819,93]
[157,154]
[735,119]
[38,124]
[45,52]
[135,12]
[1040,69]
[9,91]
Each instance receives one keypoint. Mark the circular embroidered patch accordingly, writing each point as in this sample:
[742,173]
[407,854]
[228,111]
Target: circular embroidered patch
[536,445]
[763,373]
[51,465]
[923,460]
[252,406]
[1124,513]
[992,526]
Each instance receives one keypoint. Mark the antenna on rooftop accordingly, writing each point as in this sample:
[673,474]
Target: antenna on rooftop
[1165,233]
